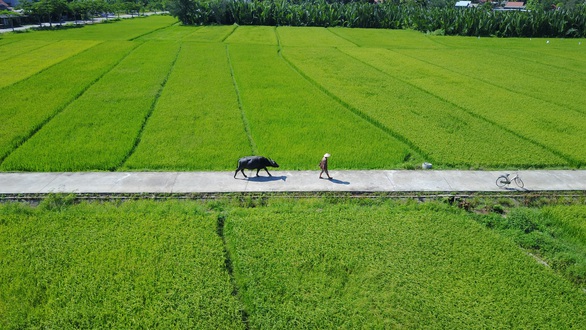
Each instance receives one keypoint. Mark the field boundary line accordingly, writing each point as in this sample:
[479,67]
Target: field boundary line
[153,31]
[358,112]
[277,36]
[229,34]
[253,147]
[228,265]
[151,110]
[60,109]
[195,30]
[98,42]
[558,153]
[342,37]
[9,42]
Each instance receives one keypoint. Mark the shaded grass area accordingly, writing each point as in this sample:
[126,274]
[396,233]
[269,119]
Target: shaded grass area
[309,263]
[556,235]
[133,265]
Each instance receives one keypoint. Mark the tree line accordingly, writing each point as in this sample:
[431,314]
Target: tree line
[51,11]
[564,22]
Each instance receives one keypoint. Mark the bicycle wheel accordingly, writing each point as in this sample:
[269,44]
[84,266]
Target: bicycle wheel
[519,182]
[501,181]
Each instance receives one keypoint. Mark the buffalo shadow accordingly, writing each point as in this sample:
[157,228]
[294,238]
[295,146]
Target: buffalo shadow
[266,178]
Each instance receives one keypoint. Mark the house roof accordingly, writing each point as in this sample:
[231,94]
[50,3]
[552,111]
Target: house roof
[3,5]
[514,4]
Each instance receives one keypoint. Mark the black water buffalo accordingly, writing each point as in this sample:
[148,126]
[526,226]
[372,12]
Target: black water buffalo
[254,162]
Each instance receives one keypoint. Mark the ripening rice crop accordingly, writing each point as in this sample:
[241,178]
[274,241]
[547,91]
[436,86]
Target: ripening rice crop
[196,123]
[564,76]
[445,132]
[318,265]
[295,123]
[262,35]
[210,33]
[378,96]
[384,38]
[99,129]
[189,33]
[135,265]
[174,32]
[15,48]
[527,99]
[24,65]
[28,104]
[310,36]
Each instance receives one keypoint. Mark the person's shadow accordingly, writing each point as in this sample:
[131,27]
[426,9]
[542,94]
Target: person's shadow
[267,178]
[336,181]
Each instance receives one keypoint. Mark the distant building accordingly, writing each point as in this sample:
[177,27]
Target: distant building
[514,5]
[10,3]
[463,4]
[4,5]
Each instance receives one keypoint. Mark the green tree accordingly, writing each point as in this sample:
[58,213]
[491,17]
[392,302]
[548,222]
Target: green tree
[181,9]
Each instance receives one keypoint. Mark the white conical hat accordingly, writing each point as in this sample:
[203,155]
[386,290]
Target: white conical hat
[327,155]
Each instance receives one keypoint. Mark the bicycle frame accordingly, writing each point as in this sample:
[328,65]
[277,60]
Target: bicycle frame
[505,180]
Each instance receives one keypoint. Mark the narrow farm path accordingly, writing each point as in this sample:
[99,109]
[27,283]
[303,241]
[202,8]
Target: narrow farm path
[286,181]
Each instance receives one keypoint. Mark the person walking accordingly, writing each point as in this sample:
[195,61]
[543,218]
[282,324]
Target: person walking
[324,166]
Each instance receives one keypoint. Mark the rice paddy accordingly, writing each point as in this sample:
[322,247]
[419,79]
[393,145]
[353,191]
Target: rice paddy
[151,94]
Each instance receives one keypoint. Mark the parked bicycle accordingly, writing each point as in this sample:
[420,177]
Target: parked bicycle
[505,180]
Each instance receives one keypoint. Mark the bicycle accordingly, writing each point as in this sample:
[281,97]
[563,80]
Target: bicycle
[505,180]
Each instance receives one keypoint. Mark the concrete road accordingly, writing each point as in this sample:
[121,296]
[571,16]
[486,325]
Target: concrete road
[285,181]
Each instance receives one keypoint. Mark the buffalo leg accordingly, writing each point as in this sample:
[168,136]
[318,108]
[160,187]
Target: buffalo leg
[241,170]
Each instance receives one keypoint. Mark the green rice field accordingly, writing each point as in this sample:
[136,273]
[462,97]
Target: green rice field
[151,94]
[319,263]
